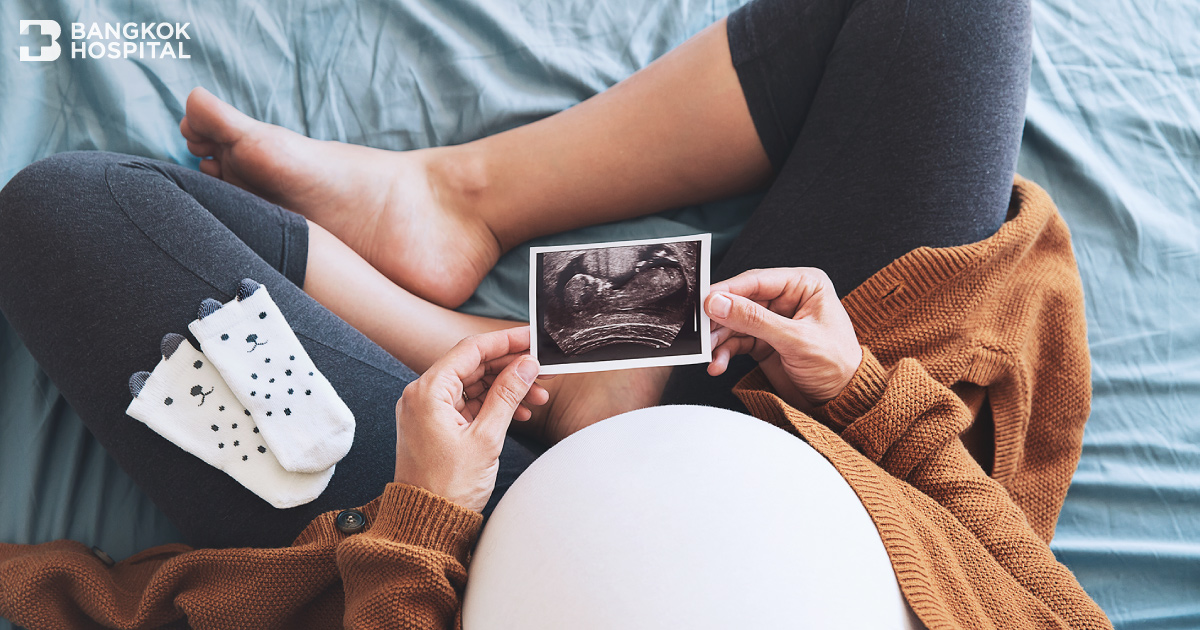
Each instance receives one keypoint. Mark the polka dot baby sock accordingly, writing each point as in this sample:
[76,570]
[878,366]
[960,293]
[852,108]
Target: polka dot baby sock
[300,415]
[186,401]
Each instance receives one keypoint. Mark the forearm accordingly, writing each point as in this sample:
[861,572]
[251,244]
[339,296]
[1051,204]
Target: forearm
[674,133]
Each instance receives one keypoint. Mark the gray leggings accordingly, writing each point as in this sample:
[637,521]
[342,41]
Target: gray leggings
[103,254]
[891,125]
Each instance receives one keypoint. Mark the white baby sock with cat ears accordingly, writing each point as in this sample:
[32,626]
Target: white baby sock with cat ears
[186,401]
[301,417]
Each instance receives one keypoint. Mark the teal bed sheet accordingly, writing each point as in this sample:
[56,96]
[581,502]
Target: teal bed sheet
[1113,133]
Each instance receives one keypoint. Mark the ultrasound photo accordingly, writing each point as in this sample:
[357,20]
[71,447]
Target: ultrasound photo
[610,306]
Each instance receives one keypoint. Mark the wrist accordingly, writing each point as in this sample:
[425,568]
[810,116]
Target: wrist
[844,371]
[444,490]
[463,181]
[850,365]
[861,393]
[416,516]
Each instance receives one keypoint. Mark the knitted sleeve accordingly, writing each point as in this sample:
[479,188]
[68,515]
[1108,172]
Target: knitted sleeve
[409,570]
[909,425]
[406,571]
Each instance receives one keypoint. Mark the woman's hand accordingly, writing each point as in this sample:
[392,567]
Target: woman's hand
[450,444]
[791,322]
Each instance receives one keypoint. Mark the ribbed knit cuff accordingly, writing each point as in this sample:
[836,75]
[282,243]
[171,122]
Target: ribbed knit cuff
[414,516]
[860,395]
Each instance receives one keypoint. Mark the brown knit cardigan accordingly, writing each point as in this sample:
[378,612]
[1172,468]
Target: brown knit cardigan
[1001,319]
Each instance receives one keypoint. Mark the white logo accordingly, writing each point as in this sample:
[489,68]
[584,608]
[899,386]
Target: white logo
[109,40]
[45,53]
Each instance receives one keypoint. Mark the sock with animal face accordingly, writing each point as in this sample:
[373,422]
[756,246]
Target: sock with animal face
[300,415]
[186,401]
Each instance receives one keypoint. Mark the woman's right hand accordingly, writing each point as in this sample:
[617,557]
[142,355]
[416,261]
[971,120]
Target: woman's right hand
[792,323]
[451,422]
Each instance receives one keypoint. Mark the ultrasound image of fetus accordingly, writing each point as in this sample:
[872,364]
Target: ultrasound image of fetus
[636,294]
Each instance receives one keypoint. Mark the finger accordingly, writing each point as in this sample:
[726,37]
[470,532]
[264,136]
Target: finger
[475,390]
[471,410]
[719,363]
[522,413]
[495,366]
[750,318]
[795,284]
[536,397]
[721,334]
[488,370]
[727,350]
[505,395]
[477,375]
[469,354]
[756,284]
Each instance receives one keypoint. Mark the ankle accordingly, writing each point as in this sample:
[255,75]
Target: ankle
[460,179]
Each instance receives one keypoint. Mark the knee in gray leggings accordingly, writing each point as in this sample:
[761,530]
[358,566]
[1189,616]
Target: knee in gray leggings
[48,196]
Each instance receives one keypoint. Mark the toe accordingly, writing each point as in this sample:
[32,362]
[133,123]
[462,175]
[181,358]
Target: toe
[190,134]
[202,149]
[214,120]
[211,167]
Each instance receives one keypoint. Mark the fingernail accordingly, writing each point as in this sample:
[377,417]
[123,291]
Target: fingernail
[527,369]
[714,339]
[719,305]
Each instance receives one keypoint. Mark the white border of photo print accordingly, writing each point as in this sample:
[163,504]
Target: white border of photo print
[549,294]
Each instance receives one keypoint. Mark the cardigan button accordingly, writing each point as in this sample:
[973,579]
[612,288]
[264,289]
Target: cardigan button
[351,521]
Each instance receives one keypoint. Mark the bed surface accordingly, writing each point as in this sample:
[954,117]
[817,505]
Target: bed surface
[1113,133]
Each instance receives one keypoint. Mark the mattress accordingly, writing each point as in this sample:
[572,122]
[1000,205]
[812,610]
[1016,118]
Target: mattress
[1113,133]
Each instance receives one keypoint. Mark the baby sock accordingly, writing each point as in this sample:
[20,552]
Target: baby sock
[300,415]
[186,401]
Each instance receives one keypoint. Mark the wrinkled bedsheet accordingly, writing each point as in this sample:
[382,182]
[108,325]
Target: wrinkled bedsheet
[1113,133]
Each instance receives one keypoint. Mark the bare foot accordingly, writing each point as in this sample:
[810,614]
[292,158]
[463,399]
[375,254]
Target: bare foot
[395,209]
[581,400]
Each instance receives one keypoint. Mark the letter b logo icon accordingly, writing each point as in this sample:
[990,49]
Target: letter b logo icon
[45,53]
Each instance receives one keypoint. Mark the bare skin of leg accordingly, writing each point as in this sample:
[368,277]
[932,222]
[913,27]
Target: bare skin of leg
[414,330]
[419,332]
[435,221]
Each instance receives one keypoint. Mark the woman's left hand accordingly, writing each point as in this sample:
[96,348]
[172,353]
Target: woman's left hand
[792,323]
[451,422]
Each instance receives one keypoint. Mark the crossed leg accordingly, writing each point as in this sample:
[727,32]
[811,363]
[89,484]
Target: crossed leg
[104,254]
[436,220]
[880,126]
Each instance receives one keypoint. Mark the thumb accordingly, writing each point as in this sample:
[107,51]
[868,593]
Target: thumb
[749,318]
[506,392]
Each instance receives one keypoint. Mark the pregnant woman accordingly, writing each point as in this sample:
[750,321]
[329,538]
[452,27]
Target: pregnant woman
[949,387]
